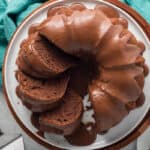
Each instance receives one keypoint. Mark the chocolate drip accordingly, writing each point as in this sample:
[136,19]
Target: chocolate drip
[82,136]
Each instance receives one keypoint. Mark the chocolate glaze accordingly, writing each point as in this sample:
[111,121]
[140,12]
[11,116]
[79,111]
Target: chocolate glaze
[57,10]
[108,110]
[121,83]
[140,100]
[65,10]
[78,41]
[33,28]
[110,96]
[66,118]
[111,54]
[35,123]
[108,11]
[35,120]
[82,136]
[141,45]
[77,7]
[120,21]
[117,52]
[146,70]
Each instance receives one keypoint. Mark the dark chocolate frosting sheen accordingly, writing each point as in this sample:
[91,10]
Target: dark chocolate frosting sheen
[97,37]
[60,29]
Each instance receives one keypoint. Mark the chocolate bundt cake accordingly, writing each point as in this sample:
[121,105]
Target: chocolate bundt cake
[113,46]
[108,60]
[41,95]
[42,59]
[66,118]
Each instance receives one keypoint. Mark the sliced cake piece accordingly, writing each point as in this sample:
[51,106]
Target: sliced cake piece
[65,118]
[38,108]
[43,57]
[41,95]
[25,67]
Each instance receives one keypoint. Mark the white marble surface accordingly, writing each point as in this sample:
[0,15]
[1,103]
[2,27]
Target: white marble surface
[9,126]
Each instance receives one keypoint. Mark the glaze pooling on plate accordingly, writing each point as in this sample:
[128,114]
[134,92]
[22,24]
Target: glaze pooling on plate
[124,128]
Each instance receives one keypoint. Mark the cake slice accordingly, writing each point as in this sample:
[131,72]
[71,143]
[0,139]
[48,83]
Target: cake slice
[38,108]
[43,57]
[25,67]
[65,118]
[41,95]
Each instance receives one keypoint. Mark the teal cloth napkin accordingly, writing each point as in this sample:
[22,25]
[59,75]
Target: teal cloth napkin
[141,6]
[12,12]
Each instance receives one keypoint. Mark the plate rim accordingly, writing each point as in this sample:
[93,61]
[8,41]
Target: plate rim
[127,139]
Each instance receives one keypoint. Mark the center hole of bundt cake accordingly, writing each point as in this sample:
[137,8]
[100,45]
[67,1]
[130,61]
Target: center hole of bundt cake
[82,75]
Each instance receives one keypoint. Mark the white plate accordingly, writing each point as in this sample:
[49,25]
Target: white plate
[143,142]
[116,133]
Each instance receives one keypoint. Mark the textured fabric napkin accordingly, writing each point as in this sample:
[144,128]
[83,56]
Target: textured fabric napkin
[12,12]
[141,6]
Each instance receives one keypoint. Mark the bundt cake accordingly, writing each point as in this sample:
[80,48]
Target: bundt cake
[41,95]
[100,55]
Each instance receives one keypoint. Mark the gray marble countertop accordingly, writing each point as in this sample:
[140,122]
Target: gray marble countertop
[9,126]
